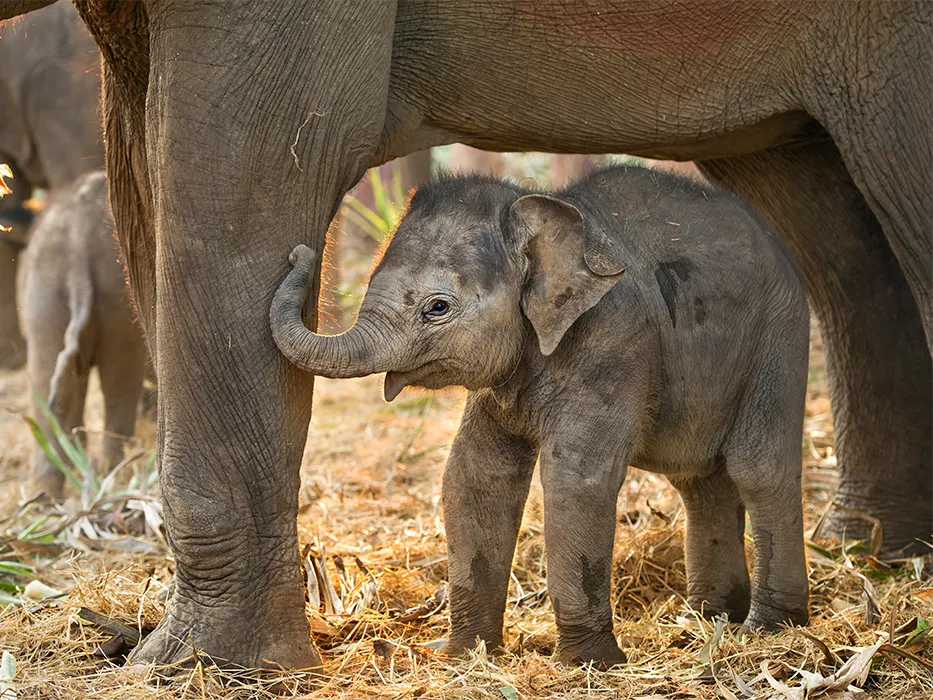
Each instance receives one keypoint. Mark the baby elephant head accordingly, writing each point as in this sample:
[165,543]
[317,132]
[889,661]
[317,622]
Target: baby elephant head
[475,264]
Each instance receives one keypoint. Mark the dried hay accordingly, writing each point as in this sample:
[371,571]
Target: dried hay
[374,554]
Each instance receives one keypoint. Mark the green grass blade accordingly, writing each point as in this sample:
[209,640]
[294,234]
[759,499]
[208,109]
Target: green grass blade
[380,196]
[33,526]
[373,230]
[51,453]
[65,441]
[16,568]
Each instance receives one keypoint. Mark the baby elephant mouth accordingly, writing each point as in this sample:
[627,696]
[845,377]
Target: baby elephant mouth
[432,375]
[394,383]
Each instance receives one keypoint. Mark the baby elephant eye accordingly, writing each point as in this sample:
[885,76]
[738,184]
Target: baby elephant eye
[438,307]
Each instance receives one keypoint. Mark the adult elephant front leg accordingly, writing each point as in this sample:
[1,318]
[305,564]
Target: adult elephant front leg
[877,362]
[254,130]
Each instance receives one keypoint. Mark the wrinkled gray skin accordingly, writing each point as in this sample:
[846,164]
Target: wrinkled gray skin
[50,133]
[232,134]
[77,314]
[593,333]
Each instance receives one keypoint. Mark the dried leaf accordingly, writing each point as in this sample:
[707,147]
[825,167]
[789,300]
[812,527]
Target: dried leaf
[128,633]
[435,644]
[36,590]
[332,603]
[8,668]
[434,604]
[828,656]
[114,647]
[870,598]
[314,593]
[707,651]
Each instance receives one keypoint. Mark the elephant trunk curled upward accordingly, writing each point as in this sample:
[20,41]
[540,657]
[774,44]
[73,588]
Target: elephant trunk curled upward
[593,337]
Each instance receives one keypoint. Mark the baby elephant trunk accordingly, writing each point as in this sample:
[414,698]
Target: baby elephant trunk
[355,353]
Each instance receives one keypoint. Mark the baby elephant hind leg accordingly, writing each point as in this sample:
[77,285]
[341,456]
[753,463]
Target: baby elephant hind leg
[717,574]
[763,457]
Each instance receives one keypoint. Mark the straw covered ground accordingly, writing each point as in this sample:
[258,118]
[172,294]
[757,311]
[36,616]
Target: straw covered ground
[373,537]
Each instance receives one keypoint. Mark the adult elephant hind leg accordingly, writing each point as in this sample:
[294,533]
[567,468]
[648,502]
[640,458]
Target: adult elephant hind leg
[876,101]
[717,575]
[877,361]
[257,124]
[486,484]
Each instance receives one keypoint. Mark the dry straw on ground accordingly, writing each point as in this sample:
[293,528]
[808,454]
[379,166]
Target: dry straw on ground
[373,539]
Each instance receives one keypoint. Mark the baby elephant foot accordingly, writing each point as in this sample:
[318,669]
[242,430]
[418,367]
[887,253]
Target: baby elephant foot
[52,484]
[736,603]
[770,617]
[602,650]
[459,644]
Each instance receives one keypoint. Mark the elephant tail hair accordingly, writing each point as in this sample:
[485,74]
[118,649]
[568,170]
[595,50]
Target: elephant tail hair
[73,360]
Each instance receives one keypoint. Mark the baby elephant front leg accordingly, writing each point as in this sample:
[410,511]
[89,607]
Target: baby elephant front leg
[580,492]
[485,487]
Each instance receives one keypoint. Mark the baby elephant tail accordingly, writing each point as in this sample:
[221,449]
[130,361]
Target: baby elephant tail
[72,362]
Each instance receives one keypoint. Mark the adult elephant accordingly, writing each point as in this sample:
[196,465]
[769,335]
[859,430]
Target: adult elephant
[49,132]
[234,128]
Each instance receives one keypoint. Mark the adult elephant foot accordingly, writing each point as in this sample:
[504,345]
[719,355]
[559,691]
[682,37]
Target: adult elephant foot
[877,361]
[181,637]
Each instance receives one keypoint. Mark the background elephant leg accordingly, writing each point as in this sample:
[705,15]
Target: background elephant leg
[877,361]
[485,487]
[579,530]
[121,367]
[717,574]
[12,242]
[255,130]
[68,382]
[12,344]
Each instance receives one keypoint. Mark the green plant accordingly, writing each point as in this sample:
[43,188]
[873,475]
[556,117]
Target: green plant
[111,513]
[380,219]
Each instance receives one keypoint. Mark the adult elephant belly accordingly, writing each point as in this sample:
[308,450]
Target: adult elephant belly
[234,130]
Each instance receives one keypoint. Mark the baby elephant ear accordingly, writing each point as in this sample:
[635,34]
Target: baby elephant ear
[572,264]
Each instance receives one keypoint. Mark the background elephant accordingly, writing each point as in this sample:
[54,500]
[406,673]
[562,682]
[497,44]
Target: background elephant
[232,135]
[50,132]
[77,315]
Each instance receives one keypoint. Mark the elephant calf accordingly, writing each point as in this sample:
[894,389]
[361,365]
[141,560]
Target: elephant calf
[631,318]
[76,313]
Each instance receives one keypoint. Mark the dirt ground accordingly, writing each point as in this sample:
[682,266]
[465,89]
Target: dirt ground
[371,496]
